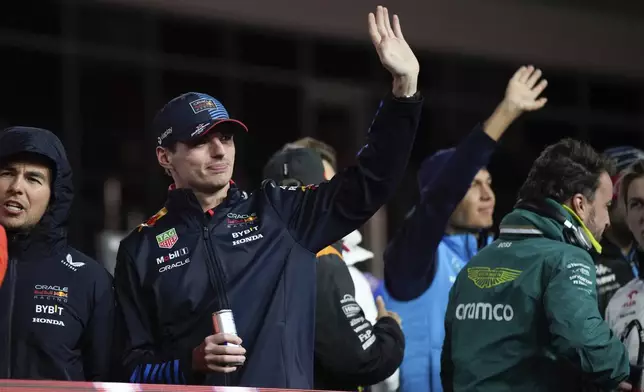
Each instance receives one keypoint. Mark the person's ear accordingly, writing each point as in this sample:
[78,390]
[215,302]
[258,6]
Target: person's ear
[165,159]
[580,205]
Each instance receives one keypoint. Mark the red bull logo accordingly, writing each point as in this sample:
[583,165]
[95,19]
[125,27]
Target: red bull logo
[51,292]
[240,219]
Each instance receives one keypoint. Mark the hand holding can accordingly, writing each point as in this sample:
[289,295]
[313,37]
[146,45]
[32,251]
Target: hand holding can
[224,322]
[221,352]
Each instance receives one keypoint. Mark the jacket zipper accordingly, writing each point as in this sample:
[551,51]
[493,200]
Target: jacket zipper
[220,279]
[217,271]
[12,295]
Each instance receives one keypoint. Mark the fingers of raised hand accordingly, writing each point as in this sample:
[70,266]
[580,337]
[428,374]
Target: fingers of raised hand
[525,74]
[390,31]
[540,87]
[380,21]
[373,29]
[397,29]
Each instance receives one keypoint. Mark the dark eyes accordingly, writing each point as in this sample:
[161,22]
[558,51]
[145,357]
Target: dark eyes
[31,179]
[226,137]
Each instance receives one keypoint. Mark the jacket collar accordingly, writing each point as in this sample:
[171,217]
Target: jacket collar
[521,222]
[525,223]
[183,200]
[464,245]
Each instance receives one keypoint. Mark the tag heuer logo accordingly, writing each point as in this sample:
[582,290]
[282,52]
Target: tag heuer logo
[167,239]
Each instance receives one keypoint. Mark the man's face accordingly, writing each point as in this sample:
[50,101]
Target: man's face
[476,208]
[635,209]
[25,189]
[206,166]
[595,214]
[617,213]
[329,172]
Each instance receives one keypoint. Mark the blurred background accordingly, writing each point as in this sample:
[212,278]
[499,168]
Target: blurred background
[95,73]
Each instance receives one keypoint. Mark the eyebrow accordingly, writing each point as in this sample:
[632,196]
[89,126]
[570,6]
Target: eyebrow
[37,174]
[636,198]
[29,173]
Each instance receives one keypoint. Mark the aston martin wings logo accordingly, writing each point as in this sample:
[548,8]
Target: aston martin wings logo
[486,277]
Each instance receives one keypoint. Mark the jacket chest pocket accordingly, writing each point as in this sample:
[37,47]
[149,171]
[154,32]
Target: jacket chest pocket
[182,285]
[51,323]
[239,246]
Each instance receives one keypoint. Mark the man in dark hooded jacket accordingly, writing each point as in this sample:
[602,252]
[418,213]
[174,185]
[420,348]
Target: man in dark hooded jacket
[57,303]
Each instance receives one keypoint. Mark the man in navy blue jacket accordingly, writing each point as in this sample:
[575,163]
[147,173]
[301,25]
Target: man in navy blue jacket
[440,235]
[213,247]
[57,304]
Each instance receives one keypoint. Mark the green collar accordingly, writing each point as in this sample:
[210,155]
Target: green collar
[522,222]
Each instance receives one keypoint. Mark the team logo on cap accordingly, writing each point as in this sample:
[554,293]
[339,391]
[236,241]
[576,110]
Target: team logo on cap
[167,239]
[202,104]
[199,129]
[164,135]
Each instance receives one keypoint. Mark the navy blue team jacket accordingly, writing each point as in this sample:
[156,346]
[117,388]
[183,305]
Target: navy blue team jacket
[255,256]
[57,304]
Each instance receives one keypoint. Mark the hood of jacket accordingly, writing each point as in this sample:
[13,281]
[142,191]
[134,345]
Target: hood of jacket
[50,234]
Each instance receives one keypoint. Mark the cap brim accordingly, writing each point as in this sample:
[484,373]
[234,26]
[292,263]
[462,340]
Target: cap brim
[196,137]
[225,121]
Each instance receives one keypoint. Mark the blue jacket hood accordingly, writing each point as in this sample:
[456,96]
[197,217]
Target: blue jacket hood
[51,232]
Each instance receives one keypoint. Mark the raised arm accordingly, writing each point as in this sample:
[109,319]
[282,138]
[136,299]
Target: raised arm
[319,216]
[410,256]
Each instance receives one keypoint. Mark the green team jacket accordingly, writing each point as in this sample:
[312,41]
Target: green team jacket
[523,316]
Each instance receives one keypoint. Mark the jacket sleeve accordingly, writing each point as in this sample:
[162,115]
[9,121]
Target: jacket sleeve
[579,334]
[97,350]
[370,353]
[317,216]
[142,361]
[447,366]
[410,256]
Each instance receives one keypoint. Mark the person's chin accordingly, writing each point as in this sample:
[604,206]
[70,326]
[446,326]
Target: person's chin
[219,181]
[485,223]
[12,224]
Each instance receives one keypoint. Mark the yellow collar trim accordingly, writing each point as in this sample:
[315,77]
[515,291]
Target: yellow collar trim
[590,235]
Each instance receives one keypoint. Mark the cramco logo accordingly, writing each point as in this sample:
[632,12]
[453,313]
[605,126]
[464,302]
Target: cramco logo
[172,256]
[484,311]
